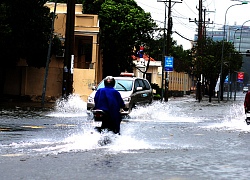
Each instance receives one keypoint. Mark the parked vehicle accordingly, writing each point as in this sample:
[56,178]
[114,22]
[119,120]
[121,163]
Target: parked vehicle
[245,89]
[133,90]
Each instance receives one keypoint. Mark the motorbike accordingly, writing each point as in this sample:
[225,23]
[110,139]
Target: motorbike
[247,117]
[102,121]
[98,117]
[102,124]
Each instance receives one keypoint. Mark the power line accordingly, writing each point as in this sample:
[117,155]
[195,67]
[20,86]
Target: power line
[189,8]
[148,6]
[184,37]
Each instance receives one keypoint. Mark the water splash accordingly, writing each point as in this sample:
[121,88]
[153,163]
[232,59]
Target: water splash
[73,106]
[146,128]
[234,119]
[77,142]
[161,112]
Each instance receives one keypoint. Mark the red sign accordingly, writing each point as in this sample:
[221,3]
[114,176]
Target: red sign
[240,76]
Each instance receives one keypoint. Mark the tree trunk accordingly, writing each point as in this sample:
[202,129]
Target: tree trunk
[211,88]
[2,80]
[221,90]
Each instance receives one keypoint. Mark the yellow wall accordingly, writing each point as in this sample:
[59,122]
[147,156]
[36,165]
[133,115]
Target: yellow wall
[83,82]
[28,81]
[24,80]
[179,81]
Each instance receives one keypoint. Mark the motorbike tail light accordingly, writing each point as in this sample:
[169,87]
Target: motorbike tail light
[98,115]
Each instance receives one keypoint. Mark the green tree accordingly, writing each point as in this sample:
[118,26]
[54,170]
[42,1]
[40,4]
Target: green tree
[92,6]
[182,58]
[209,62]
[123,25]
[24,33]
[65,1]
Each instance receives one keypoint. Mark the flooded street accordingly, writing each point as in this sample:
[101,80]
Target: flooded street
[177,140]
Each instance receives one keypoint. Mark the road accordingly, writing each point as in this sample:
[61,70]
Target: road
[181,139]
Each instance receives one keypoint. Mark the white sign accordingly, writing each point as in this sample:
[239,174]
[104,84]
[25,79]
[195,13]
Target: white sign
[72,64]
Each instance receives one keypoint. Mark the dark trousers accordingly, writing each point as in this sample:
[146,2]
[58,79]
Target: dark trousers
[108,124]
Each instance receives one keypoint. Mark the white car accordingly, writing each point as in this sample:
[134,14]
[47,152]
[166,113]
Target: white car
[245,89]
[133,91]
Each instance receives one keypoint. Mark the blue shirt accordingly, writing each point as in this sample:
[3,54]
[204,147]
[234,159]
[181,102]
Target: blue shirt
[108,99]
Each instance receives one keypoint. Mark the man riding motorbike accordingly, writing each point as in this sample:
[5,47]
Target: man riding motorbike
[247,102]
[109,100]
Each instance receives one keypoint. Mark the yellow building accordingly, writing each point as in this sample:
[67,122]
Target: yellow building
[179,82]
[28,81]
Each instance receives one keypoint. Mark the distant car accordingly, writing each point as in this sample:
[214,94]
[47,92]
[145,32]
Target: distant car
[133,90]
[245,89]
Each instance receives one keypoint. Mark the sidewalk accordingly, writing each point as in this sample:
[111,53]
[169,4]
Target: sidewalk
[27,104]
[24,104]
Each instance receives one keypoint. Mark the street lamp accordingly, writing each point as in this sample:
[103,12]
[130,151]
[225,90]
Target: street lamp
[234,35]
[233,72]
[222,50]
[241,33]
[163,50]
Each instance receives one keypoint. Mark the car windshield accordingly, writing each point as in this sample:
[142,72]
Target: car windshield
[120,85]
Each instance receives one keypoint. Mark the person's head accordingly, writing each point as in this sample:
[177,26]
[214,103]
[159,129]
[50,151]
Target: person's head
[109,81]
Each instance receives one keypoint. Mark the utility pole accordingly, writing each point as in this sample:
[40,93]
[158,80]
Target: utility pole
[169,33]
[67,87]
[199,24]
[48,56]
[166,46]
[200,43]
[163,52]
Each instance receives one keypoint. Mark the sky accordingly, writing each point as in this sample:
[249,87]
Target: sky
[181,12]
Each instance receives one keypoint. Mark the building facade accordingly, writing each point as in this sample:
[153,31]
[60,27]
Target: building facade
[28,81]
[87,72]
[237,34]
[180,83]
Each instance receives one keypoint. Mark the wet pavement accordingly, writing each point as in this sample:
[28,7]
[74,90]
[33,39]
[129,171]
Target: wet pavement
[178,140]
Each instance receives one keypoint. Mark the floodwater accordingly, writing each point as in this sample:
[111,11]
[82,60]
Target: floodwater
[178,139]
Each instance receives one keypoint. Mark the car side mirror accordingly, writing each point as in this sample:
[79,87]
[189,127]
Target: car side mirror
[139,88]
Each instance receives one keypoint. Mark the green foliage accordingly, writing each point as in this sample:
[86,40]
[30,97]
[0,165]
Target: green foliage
[156,87]
[57,47]
[92,6]
[25,33]
[123,25]
[156,96]
[65,1]
[182,58]
[5,33]
[209,61]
